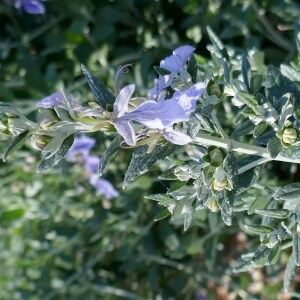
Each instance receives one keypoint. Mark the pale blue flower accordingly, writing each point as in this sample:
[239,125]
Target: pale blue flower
[175,62]
[58,100]
[82,146]
[30,6]
[104,187]
[123,127]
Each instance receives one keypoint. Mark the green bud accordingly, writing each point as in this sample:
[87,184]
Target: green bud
[216,156]
[46,118]
[289,136]
[212,204]
[39,141]
[215,89]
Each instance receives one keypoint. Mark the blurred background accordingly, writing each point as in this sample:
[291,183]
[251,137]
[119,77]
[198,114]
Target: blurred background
[60,239]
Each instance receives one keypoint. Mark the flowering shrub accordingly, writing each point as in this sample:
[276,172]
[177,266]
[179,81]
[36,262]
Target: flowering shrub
[178,120]
[213,140]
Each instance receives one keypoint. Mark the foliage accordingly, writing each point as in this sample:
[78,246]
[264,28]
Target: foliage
[229,174]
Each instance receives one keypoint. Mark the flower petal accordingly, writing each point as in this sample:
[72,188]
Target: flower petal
[159,85]
[81,145]
[104,187]
[125,129]
[177,137]
[187,99]
[121,103]
[158,115]
[33,7]
[92,164]
[184,52]
[179,58]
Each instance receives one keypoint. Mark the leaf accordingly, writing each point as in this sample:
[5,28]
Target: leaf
[50,161]
[231,168]
[273,213]
[226,71]
[161,71]
[263,139]
[274,146]
[261,255]
[219,47]
[248,99]
[244,266]
[259,229]
[291,152]
[168,174]
[259,129]
[142,161]
[247,74]
[101,93]
[109,153]
[16,144]
[225,201]
[243,129]
[162,199]
[9,109]
[163,214]
[289,273]
[290,72]
[192,67]
[274,254]
[296,247]
[277,85]
[288,192]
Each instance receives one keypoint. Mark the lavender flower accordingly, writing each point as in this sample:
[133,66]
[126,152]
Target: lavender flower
[179,58]
[174,64]
[30,6]
[58,100]
[122,125]
[81,147]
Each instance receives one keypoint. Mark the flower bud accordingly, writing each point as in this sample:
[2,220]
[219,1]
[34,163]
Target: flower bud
[220,181]
[182,173]
[215,156]
[289,136]
[46,118]
[215,89]
[212,204]
[39,141]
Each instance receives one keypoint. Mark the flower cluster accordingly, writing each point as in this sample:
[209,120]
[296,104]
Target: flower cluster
[171,101]
[30,6]
[80,150]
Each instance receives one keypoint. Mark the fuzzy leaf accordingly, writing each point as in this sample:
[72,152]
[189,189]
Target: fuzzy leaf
[101,93]
[273,213]
[50,161]
[142,161]
[274,146]
[163,214]
[109,153]
[258,229]
[16,144]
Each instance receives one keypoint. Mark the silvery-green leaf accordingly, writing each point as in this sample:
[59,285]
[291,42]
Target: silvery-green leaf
[273,213]
[244,266]
[109,153]
[163,214]
[101,93]
[259,129]
[277,85]
[261,255]
[274,146]
[290,72]
[274,254]
[16,144]
[49,162]
[292,152]
[247,73]
[9,109]
[264,138]
[226,71]
[296,247]
[161,71]
[289,273]
[243,129]
[225,201]
[248,99]
[192,67]
[142,161]
[259,229]
[168,174]
[218,45]
[288,192]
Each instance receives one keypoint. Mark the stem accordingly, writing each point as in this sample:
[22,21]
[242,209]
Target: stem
[252,165]
[240,147]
